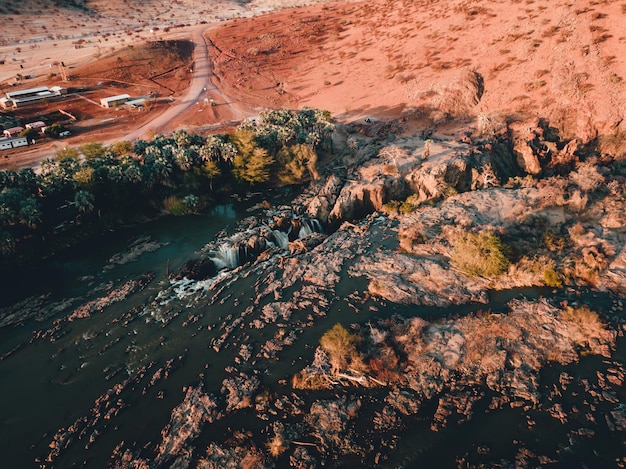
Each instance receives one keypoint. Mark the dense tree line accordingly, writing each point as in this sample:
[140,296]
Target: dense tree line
[94,185]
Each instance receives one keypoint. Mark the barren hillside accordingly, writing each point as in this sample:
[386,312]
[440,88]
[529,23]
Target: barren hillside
[505,60]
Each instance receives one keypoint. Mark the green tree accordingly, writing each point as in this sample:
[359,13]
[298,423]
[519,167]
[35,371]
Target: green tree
[254,169]
[121,148]
[7,243]
[296,162]
[53,130]
[211,171]
[30,134]
[84,177]
[30,213]
[244,141]
[92,150]
[84,202]
[67,153]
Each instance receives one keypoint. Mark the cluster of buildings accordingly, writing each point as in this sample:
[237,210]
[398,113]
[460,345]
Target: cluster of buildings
[11,137]
[19,99]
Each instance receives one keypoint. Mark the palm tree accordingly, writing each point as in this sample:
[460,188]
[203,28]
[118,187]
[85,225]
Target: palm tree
[30,213]
[7,243]
[83,200]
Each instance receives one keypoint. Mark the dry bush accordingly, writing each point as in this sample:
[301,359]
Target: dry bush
[277,445]
[340,345]
[411,236]
[613,144]
[540,270]
[484,335]
[577,201]
[587,177]
[309,381]
[583,325]
[481,254]
[552,191]
[587,266]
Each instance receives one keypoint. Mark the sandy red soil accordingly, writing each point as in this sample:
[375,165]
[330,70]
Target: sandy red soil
[432,61]
[564,61]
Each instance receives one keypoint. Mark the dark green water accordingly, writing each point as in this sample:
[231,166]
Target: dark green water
[47,385]
[51,384]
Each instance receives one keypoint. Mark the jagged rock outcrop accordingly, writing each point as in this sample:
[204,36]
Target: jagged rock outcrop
[360,198]
[458,96]
[321,205]
[412,166]
[186,423]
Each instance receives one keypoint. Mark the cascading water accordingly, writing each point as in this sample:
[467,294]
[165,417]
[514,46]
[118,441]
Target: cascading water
[237,250]
[226,256]
[281,238]
[309,226]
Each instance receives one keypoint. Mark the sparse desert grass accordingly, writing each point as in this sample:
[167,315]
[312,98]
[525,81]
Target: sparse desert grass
[583,324]
[481,254]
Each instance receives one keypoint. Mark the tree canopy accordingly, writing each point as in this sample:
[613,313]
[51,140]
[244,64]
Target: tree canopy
[105,184]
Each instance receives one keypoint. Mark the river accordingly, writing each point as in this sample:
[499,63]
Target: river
[55,372]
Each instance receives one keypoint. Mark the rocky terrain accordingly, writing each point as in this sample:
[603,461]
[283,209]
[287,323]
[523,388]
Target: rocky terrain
[454,275]
[375,245]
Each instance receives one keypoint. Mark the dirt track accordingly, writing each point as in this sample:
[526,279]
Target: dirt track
[201,92]
[201,88]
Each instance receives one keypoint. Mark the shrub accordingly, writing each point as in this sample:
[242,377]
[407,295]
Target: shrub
[276,445]
[410,237]
[482,254]
[551,277]
[584,325]
[587,177]
[340,345]
[392,207]
[554,241]
[175,206]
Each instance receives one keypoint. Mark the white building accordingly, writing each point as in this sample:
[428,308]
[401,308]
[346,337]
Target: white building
[6,143]
[27,93]
[39,125]
[114,101]
[17,99]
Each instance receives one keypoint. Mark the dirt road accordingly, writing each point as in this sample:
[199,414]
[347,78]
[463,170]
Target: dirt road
[201,87]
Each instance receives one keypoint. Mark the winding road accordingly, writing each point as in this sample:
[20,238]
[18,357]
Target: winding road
[200,85]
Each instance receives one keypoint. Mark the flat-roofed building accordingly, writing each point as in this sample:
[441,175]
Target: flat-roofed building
[13,131]
[26,93]
[7,143]
[114,101]
[36,125]
[17,99]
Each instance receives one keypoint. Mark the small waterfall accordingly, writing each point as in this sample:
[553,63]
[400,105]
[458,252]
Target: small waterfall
[305,230]
[309,226]
[282,239]
[226,256]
